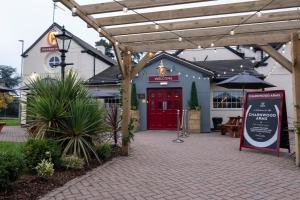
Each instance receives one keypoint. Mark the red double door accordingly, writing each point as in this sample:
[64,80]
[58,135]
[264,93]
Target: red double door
[162,106]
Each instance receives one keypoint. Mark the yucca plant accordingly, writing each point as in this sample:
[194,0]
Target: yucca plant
[63,110]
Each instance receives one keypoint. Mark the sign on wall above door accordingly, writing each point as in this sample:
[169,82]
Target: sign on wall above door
[52,43]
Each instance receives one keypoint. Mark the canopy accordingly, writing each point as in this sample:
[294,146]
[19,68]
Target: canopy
[245,81]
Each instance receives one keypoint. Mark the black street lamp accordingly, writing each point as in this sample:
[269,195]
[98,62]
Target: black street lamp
[63,42]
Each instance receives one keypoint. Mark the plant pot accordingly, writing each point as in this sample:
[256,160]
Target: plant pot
[194,121]
[135,115]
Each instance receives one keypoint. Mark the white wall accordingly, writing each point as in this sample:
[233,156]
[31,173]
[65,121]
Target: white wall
[37,62]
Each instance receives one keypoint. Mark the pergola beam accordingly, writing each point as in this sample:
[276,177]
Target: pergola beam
[242,39]
[98,8]
[198,11]
[207,32]
[137,68]
[206,23]
[277,57]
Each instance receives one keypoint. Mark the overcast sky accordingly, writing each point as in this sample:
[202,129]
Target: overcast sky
[27,20]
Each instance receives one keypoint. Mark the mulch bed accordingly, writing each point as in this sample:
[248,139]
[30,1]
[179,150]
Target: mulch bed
[31,187]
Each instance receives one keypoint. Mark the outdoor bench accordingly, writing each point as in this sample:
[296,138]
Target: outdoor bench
[232,127]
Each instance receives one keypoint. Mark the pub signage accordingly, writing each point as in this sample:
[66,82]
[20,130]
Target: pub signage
[265,121]
[163,78]
[52,43]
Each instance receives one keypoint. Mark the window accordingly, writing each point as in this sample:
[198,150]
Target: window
[54,61]
[228,99]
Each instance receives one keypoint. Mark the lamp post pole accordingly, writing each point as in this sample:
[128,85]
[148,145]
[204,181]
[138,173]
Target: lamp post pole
[63,41]
[22,59]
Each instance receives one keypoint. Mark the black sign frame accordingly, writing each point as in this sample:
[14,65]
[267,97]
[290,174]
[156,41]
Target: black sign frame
[282,138]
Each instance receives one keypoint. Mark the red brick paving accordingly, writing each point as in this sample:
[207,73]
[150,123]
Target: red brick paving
[205,166]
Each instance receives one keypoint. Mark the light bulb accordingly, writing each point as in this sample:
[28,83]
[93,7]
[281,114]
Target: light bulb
[259,14]
[232,32]
[180,39]
[156,26]
[125,9]
[212,44]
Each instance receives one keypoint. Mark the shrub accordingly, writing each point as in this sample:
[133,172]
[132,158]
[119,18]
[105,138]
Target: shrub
[134,100]
[11,166]
[35,150]
[45,169]
[104,151]
[73,162]
[64,110]
[193,103]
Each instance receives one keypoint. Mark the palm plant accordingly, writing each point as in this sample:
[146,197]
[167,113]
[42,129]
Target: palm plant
[63,110]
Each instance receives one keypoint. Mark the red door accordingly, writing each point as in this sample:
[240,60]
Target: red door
[162,108]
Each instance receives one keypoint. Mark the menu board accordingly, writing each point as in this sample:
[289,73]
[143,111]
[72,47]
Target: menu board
[265,121]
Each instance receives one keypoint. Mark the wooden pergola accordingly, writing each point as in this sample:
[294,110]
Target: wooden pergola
[190,24]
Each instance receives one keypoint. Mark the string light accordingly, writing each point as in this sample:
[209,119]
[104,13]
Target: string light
[259,14]
[199,46]
[74,10]
[212,44]
[251,48]
[193,76]
[232,32]
[99,30]
[156,26]
[232,70]
[241,66]
[125,9]
[116,43]
[180,39]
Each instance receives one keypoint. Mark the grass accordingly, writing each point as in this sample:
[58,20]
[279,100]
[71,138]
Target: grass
[11,121]
[15,147]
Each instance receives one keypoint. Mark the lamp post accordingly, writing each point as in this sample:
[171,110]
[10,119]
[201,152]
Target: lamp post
[63,42]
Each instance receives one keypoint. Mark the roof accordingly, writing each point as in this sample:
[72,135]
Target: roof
[214,68]
[189,64]
[87,47]
[108,76]
[230,67]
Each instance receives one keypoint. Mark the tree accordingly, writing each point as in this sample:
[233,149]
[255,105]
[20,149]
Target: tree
[193,103]
[109,50]
[9,76]
[134,101]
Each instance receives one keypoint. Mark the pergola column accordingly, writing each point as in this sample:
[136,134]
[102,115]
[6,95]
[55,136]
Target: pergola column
[126,99]
[296,88]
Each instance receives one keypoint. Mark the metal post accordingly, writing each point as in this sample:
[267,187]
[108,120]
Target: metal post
[63,64]
[184,133]
[178,140]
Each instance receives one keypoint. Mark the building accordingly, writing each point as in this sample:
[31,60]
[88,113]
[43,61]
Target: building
[42,56]
[160,96]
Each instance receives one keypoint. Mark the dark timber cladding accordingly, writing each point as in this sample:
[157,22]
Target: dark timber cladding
[187,32]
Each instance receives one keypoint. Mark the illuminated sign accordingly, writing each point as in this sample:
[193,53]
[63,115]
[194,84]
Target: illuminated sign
[163,78]
[51,39]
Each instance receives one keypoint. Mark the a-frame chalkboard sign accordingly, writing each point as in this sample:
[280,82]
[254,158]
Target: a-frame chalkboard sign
[265,125]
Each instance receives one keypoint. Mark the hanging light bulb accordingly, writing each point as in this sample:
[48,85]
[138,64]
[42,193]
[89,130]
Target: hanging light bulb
[284,46]
[199,46]
[212,44]
[180,39]
[193,76]
[179,73]
[219,75]
[116,43]
[125,9]
[232,70]
[241,66]
[74,10]
[156,26]
[232,32]
[251,48]
[259,14]
[186,75]
[99,30]
[224,72]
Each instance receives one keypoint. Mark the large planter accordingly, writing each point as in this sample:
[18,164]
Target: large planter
[194,121]
[135,115]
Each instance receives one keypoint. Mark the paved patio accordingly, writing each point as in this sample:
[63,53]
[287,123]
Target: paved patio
[13,134]
[205,166]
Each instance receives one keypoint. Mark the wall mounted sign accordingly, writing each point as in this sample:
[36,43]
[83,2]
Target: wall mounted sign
[52,43]
[265,121]
[163,78]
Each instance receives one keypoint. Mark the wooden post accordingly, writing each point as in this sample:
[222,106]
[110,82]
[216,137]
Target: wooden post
[126,99]
[296,89]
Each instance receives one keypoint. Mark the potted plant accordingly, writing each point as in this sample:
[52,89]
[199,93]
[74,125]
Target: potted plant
[135,115]
[194,111]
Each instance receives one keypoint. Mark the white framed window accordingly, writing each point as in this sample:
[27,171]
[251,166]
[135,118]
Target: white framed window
[227,99]
[53,61]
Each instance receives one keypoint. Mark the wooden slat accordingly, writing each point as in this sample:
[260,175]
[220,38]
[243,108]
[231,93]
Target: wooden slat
[242,39]
[138,67]
[252,28]
[131,4]
[206,23]
[199,11]
[277,56]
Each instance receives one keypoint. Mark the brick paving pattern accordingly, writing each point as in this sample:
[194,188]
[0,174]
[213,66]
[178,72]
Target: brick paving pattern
[205,166]
[13,134]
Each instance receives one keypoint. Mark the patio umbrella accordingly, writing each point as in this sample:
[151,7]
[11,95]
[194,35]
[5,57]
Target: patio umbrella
[245,81]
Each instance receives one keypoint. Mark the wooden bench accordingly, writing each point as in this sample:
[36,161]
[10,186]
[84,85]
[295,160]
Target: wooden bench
[232,127]
[2,124]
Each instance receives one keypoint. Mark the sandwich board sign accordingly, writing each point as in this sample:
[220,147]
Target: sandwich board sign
[265,124]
